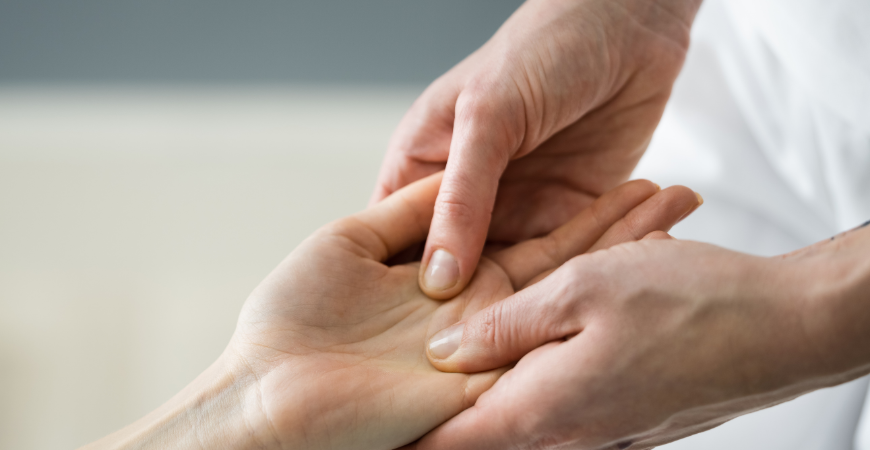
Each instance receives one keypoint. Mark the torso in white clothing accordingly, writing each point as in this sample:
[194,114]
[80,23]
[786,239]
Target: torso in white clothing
[770,121]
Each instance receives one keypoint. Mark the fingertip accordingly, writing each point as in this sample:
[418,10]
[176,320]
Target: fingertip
[695,200]
[679,199]
[694,208]
[452,350]
[454,245]
[658,235]
[659,212]
[445,342]
[440,276]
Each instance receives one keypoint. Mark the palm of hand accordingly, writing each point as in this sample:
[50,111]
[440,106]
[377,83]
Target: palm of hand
[337,338]
[349,344]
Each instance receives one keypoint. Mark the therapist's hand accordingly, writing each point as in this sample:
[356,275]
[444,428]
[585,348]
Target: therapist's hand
[553,111]
[648,342]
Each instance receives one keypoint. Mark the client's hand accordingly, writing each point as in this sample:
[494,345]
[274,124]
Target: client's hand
[329,351]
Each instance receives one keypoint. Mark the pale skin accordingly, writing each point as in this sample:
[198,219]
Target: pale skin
[638,345]
[556,109]
[651,341]
[329,351]
[629,347]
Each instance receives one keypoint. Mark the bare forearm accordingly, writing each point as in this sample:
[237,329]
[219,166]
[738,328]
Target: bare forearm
[838,315]
[216,411]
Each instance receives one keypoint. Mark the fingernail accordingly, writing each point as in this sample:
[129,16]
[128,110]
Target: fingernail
[446,341]
[442,272]
[694,208]
[658,187]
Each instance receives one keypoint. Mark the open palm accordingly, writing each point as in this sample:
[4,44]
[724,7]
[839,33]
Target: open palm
[337,338]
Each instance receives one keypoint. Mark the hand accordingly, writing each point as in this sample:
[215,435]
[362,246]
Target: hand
[329,352]
[651,341]
[553,111]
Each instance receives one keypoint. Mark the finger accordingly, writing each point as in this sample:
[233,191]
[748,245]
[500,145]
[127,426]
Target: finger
[499,417]
[421,142]
[479,152]
[399,170]
[526,260]
[658,235]
[506,330]
[658,213]
[472,429]
[650,219]
[388,227]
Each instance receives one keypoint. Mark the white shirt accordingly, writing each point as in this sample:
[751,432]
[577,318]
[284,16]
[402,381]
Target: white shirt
[770,122]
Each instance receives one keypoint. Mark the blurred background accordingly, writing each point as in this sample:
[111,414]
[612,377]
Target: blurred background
[158,159]
[382,42]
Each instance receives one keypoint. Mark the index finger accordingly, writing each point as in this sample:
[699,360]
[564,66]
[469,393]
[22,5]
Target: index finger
[479,152]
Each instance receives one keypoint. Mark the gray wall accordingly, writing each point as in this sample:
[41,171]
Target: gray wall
[172,41]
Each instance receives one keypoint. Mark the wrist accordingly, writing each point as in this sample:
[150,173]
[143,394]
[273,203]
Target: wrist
[218,410]
[670,18]
[836,277]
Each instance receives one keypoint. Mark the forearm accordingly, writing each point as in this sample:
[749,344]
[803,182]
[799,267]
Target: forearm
[837,318]
[218,410]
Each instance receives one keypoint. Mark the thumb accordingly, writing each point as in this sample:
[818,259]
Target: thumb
[507,330]
[479,153]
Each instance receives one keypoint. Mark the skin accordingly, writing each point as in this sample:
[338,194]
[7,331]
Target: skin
[631,347]
[651,341]
[556,109]
[329,349]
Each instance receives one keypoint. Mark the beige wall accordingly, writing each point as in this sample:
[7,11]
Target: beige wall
[133,223]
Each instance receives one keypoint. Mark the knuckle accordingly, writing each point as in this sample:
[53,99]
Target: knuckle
[576,267]
[493,112]
[537,431]
[552,249]
[600,222]
[489,328]
[576,287]
[635,226]
[474,105]
[454,204]
[499,333]
[565,304]
[477,88]
[455,210]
